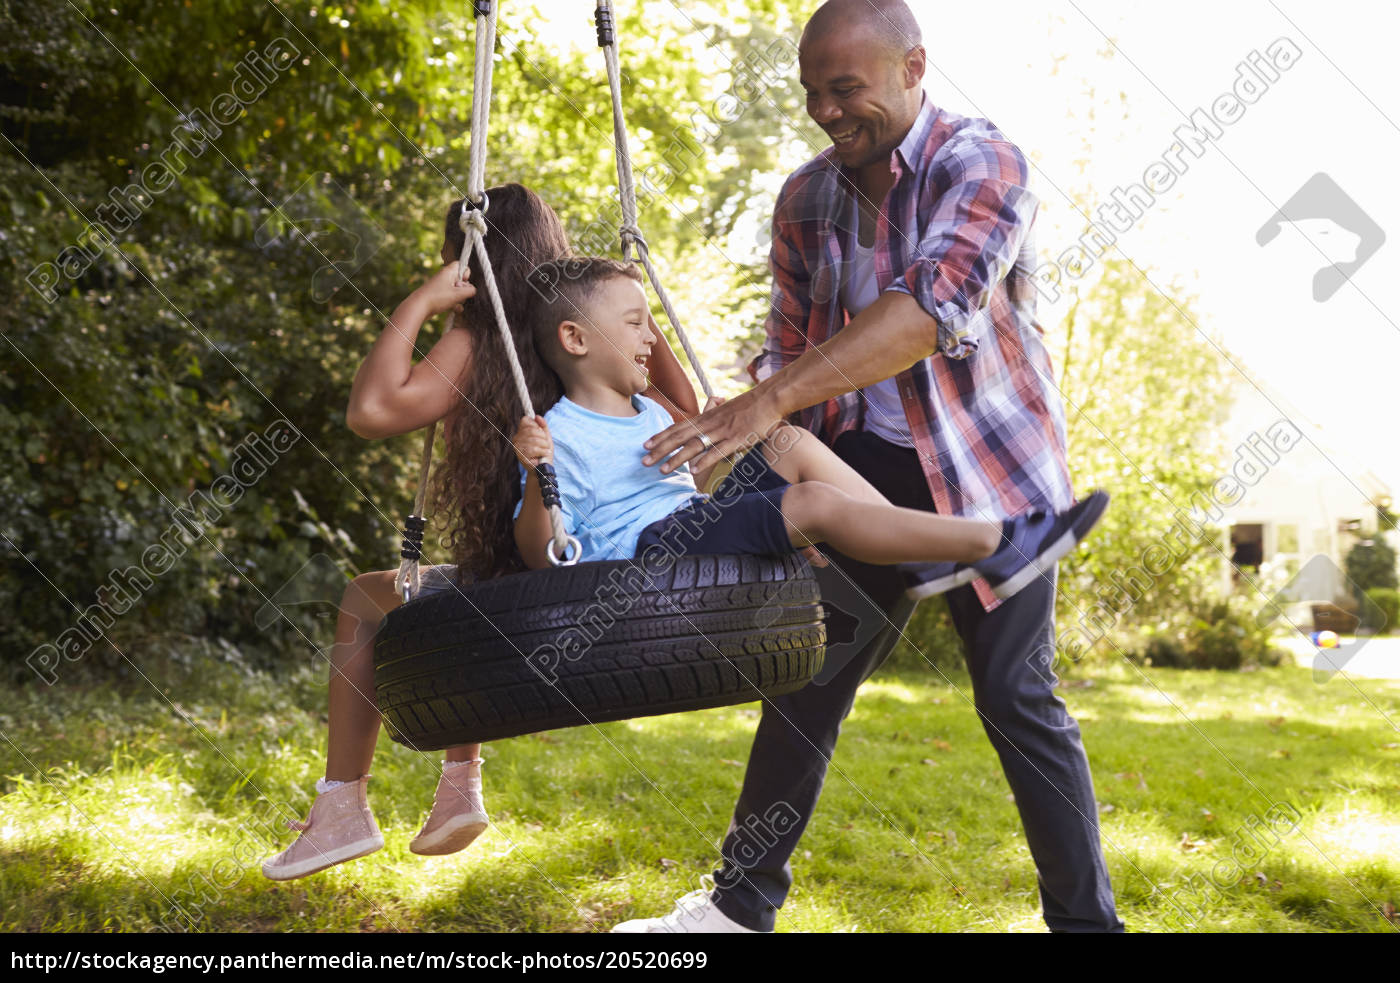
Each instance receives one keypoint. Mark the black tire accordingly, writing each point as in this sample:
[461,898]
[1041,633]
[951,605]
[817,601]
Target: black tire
[595,642]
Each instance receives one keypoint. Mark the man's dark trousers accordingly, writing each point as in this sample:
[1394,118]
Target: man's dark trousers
[1037,741]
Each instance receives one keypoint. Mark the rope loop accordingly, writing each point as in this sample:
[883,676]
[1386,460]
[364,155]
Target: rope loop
[473,220]
[632,236]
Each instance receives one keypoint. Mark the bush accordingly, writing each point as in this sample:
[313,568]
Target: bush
[1382,610]
[1216,635]
[1371,563]
[1165,651]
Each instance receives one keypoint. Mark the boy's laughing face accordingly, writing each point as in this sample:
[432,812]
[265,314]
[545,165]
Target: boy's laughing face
[618,335]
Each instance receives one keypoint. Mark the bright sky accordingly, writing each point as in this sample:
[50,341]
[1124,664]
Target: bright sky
[1335,111]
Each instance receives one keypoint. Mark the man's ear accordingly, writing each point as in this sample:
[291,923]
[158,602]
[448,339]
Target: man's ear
[571,338]
[915,61]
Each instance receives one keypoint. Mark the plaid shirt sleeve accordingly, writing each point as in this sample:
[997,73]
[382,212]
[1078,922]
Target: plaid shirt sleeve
[790,304]
[975,230]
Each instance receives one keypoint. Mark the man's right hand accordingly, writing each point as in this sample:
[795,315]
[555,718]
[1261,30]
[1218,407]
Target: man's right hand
[443,293]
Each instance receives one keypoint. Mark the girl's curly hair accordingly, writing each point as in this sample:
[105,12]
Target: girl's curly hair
[478,484]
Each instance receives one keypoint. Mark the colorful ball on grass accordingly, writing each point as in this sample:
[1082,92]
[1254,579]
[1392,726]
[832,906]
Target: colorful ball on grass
[1325,639]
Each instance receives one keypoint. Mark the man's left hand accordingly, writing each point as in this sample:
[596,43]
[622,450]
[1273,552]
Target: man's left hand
[732,427]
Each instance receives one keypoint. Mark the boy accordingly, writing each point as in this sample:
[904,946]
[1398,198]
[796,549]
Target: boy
[589,322]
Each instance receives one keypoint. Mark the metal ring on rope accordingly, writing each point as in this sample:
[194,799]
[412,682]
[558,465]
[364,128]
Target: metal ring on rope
[564,559]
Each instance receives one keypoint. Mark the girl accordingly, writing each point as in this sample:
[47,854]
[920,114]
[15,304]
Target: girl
[465,378]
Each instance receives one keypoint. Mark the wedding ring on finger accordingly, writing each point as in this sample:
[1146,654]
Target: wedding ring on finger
[706,442]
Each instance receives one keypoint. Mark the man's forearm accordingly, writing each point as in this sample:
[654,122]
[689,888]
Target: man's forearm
[884,339]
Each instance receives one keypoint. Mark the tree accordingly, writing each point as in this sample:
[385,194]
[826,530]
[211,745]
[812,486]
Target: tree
[1145,392]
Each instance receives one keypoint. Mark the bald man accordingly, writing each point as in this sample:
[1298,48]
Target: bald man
[902,332]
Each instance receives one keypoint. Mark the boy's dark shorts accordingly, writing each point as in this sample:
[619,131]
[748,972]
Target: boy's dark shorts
[744,515]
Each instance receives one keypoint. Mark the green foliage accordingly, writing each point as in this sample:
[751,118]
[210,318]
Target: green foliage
[1371,563]
[1144,394]
[207,319]
[1382,613]
[1212,635]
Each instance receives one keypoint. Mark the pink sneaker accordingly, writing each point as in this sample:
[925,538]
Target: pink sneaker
[458,815]
[340,827]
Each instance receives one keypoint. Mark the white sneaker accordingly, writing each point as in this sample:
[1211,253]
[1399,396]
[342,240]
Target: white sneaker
[693,913]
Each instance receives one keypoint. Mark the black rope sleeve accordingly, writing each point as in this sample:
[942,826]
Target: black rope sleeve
[412,538]
[549,484]
[482,7]
[602,17]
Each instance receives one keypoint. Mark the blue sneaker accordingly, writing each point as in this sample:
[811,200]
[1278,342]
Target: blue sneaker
[923,580]
[1033,542]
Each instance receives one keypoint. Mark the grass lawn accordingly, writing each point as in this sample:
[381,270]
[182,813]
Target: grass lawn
[120,805]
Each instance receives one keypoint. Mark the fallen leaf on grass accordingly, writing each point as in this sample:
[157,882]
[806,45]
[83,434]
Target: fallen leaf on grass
[929,761]
[1391,916]
[940,745]
[1105,808]
[1128,776]
[1281,753]
[1389,747]
[731,761]
[1189,845]
[1207,815]
[667,863]
[1277,722]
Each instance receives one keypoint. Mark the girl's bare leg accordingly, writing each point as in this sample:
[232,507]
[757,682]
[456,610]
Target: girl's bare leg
[817,512]
[354,719]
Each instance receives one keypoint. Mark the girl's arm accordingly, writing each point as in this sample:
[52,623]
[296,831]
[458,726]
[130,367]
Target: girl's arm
[668,383]
[391,395]
[532,528]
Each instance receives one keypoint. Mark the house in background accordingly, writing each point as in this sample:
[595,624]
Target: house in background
[1316,498]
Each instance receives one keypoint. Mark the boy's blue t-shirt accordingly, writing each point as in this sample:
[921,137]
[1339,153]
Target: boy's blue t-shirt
[609,496]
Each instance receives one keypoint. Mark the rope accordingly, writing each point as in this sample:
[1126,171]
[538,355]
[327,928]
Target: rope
[627,188]
[481,101]
[407,581]
[630,234]
[474,228]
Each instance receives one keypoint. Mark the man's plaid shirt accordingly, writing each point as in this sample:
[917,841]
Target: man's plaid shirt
[955,234]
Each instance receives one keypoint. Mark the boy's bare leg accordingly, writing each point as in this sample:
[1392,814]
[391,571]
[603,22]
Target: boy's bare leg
[354,719]
[880,533]
[798,456]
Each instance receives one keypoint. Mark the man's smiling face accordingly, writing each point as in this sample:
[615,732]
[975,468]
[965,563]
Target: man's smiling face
[861,92]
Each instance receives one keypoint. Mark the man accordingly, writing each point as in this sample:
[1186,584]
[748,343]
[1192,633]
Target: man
[938,389]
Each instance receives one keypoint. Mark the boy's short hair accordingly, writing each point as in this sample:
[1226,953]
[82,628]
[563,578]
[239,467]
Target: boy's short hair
[562,291]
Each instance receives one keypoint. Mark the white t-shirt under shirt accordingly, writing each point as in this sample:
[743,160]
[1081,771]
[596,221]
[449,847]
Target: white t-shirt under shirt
[884,411]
